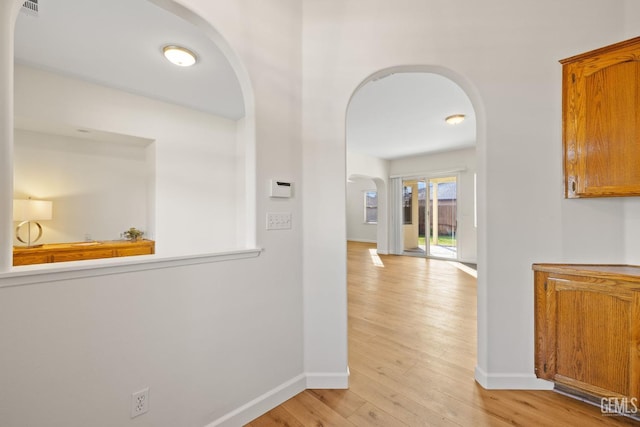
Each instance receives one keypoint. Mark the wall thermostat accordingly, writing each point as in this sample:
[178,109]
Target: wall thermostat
[281,188]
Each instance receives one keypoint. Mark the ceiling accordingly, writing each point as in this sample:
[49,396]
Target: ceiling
[403,115]
[118,43]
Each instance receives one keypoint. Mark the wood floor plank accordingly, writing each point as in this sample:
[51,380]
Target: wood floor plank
[369,415]
[425,394]
[396,403]
[412,354]
[310,411]
[344,402]
[275,418]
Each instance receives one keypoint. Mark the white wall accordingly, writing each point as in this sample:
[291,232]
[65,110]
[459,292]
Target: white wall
[362,166]
[74,349]
[195,155]
[505,56]
[98,188]
[434,165]
[632,204]
[632,18]
[357,229]
[207,337]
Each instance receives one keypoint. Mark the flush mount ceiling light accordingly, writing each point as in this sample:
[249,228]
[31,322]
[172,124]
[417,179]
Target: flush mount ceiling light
[455,119]
[179,55]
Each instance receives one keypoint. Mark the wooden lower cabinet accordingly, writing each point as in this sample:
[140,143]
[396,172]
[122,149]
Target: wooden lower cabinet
[587,329]
[62,252]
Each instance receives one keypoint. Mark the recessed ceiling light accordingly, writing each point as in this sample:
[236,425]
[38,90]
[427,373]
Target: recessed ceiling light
[179,55]
[455,119]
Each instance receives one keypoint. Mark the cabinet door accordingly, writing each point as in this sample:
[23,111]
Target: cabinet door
[590,337]
[601,121]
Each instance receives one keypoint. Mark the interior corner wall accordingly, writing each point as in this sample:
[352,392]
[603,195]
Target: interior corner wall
[516,80]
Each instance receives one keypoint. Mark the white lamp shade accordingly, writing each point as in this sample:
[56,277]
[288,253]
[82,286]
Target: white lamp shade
[32,210]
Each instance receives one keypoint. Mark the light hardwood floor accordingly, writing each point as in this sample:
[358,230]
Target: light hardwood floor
[412,352]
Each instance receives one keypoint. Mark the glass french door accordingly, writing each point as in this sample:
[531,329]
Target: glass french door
[443,217]
[429,216]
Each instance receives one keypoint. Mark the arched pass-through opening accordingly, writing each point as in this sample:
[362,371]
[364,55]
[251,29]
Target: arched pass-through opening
[478,179]
[245,137]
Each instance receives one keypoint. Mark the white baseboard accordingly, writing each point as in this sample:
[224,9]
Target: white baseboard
[511,381]
[328,380]
[361,240]
[280,394]
[262,404]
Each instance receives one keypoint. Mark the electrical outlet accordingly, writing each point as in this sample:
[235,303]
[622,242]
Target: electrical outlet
[139,402]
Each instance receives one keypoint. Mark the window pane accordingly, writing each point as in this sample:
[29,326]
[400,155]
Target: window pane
[407,197]
[371,206]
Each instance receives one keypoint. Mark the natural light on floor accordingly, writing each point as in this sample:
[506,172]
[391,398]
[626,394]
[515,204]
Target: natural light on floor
[375,258]
[470,271]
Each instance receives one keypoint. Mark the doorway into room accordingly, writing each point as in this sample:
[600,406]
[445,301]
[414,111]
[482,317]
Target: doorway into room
[430,217]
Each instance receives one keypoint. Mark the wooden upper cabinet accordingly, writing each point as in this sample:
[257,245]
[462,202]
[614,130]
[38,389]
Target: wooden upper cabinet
[601,121]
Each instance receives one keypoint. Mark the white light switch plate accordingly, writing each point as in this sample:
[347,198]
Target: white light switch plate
[278,220]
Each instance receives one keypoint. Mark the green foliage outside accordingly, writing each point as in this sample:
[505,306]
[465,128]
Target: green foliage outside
[443,240]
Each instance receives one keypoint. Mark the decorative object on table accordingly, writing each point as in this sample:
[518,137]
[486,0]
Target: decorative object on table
[133,234]
[30,211]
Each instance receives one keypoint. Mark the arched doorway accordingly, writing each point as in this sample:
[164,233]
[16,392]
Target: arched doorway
[478,188]
[396,130]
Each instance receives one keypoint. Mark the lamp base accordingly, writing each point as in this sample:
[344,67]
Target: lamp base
[30,241]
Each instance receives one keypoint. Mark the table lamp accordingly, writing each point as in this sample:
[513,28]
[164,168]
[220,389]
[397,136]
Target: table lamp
[29,212]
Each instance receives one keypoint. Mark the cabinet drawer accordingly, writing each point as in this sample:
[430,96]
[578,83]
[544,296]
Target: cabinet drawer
[82,255]
[135,250]
[27,259]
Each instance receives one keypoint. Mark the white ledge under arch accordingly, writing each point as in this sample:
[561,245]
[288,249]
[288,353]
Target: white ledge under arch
[45,273]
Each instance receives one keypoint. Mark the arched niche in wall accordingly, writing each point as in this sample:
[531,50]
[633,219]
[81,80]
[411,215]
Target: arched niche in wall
[118,137]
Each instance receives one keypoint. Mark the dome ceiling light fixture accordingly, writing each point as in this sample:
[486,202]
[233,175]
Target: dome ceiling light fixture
[179,55]
[455,119]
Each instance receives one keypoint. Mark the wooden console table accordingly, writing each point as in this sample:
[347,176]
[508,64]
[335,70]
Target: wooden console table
[587,329]
[61,252]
